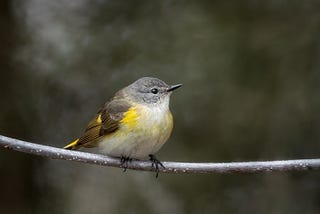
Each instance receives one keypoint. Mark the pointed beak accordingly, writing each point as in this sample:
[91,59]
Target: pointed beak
[174,87]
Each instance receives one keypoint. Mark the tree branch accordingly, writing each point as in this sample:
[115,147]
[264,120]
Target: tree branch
[171,167]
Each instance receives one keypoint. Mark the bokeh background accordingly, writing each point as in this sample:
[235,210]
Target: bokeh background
[251,75]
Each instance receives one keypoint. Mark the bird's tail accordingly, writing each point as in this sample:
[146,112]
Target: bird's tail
[73,145]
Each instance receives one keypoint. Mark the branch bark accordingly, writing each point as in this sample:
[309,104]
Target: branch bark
[170,167]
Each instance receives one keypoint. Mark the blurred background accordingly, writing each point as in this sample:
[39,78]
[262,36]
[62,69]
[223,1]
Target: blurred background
[251,91]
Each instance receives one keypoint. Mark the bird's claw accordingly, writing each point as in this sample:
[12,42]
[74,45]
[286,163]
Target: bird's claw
[155,163]
[124,162]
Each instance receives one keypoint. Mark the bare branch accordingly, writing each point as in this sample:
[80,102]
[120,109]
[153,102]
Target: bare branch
[171,167]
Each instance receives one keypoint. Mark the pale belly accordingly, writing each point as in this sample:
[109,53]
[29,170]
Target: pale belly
[138,141]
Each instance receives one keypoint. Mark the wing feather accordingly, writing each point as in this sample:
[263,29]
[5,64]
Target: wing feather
[105,122]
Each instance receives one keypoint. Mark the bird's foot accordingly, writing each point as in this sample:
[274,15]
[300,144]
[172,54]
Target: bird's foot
[124,162]
[155,164]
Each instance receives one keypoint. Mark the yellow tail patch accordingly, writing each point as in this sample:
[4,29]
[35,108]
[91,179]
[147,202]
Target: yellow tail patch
[72,144]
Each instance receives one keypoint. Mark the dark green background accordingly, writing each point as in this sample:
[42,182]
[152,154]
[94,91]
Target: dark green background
[251,75]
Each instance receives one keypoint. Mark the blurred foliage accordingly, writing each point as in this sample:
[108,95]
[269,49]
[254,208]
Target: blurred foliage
[251,91]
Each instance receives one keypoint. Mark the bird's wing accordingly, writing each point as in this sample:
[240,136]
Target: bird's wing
[105,122]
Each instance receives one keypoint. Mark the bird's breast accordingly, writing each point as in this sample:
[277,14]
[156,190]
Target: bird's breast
[153,122]
[143,131]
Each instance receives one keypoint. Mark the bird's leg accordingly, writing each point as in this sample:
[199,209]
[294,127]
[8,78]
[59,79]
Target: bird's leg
[155,164]
[124,162]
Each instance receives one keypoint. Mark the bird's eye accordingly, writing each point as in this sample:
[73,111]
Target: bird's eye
[154,91]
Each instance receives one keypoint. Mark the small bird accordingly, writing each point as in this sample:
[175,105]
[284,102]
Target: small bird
[134,124]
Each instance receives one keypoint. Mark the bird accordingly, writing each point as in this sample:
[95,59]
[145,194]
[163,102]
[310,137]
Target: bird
[134,124]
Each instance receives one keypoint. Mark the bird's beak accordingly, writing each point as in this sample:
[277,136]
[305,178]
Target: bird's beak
[174,87]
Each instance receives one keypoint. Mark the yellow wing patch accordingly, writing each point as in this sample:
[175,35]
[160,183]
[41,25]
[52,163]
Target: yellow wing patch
[99,119]
[130,118]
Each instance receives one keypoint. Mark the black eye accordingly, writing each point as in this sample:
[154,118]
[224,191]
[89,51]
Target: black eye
[154,91]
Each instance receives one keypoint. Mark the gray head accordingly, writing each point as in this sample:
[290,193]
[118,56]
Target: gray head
[150,90]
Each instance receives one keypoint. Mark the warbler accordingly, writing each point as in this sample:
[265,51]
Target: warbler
[134,124]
